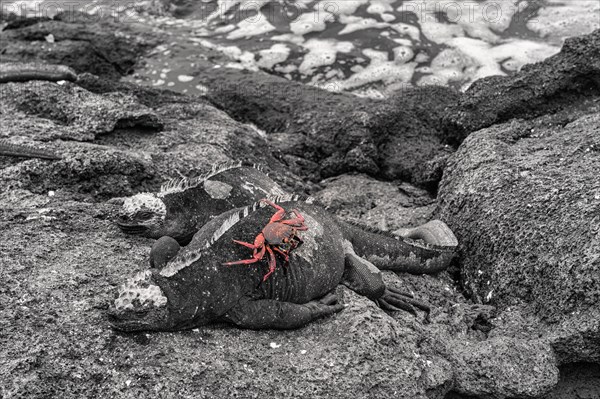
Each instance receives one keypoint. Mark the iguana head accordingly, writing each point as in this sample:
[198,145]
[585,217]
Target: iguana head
[149,215]
[189,292]
[140,305]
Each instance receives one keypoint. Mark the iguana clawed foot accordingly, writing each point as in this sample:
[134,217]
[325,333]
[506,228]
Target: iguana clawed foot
[325,306]
[394,299]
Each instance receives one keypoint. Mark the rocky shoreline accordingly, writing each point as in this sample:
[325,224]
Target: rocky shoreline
[509,165]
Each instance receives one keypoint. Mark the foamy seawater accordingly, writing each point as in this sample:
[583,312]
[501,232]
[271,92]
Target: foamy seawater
[367,46]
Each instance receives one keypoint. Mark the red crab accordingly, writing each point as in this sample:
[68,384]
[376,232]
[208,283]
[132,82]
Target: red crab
[279,235]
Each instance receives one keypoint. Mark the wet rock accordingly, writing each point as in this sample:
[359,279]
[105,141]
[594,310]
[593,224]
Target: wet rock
[522,198]
[322,134]
[85,43]
[559,82]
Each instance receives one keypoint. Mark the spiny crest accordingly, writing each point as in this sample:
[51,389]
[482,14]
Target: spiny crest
[250,209]
[179,185]
[184,260]
[291,197]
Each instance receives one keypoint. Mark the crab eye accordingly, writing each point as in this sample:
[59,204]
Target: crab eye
[144,215]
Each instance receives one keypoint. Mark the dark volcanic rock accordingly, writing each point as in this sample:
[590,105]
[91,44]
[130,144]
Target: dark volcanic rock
[322,134]
[76,113]
[85,43]
[134,147]
[523,200]
[538,89]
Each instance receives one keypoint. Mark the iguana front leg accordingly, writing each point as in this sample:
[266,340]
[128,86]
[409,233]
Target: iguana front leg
[163,250]
[270,313]
[362,277]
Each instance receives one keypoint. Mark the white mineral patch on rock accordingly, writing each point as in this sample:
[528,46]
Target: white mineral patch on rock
[471,59]
[408,30]
[277,54]
[561,19]
[354,23]
[380,69]
[439,32]
[380,6]
[185,78]
[403,54]
[345,7]
[309,22]
[252,26]
[321,53]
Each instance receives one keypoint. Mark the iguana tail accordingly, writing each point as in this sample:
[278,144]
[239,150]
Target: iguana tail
[22,150]
[426,249]
[22,72]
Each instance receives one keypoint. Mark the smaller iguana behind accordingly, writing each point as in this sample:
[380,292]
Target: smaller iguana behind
[182,206]
[195,288]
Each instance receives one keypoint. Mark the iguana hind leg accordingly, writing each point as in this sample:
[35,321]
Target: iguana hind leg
[364,278]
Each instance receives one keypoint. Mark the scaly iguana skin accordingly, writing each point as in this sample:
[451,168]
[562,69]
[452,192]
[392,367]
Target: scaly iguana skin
[195,288]
[21,150]
[25,71]
[184,205]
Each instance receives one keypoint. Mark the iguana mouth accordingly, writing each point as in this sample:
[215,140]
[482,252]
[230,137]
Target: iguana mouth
[132,228]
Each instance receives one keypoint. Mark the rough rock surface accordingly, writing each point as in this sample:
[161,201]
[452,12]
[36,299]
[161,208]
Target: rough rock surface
[62,258]
[140,137]
[523,199]
[323,134]
[381,204]
[84,42]
[67,111]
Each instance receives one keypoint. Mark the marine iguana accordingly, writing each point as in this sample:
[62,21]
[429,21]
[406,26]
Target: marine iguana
[25,71]
[184,205]
[22,150]
[195,288]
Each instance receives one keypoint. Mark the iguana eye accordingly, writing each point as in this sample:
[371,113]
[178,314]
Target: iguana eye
[144,215]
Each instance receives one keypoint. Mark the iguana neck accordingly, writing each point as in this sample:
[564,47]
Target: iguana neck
[390,252]
[27,151]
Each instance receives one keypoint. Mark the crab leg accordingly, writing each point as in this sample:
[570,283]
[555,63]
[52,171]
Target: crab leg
[272,263]
[285,255]
[242,262]
[246,244]
[280,211]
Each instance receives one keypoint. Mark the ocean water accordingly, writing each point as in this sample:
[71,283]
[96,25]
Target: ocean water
[369,47]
